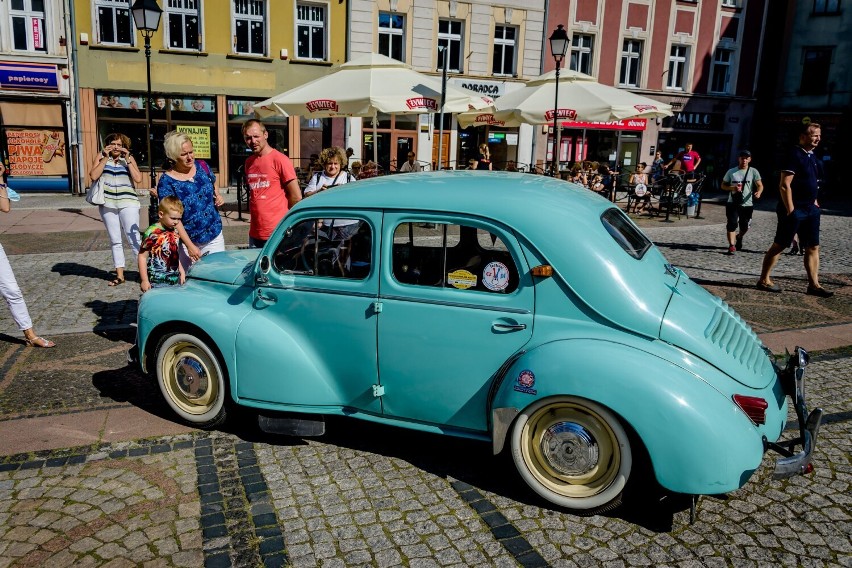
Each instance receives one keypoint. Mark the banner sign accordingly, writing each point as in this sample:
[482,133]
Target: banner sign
[28,76]
[630,124]
[36,152]
[200,136]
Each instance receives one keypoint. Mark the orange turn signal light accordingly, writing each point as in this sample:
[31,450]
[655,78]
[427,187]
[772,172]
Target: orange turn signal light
[542,270]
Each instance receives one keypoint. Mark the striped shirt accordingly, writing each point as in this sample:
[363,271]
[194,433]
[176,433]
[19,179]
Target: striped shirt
[118,187]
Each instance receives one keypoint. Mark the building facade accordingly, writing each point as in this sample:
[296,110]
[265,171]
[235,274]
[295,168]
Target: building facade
[211,60]
[37,139]
[702,57]
[490,47]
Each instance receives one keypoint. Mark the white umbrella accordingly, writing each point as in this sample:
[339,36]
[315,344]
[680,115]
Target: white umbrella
[368,85]
[581,98]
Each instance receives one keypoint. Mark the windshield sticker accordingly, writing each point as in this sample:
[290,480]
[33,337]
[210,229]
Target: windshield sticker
[526,382]
[495,276]
[461,279]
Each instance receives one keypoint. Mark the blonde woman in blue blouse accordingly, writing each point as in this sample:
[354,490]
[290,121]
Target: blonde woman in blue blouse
[118,170]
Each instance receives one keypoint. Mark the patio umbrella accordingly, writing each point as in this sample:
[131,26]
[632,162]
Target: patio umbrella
[580,98]
[367,85]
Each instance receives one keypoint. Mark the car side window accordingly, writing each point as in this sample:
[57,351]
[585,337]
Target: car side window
[453,256]
[340,248]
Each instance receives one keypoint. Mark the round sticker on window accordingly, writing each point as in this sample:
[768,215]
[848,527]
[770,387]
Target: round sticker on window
[495,276]
[640,190]
[461,279]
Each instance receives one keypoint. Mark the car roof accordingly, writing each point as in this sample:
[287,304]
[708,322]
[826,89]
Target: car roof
[519,200]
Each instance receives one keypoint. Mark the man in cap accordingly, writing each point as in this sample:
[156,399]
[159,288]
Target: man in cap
[745,186]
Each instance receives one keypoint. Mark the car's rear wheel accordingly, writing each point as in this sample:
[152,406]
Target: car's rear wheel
[572,452]
[191,380]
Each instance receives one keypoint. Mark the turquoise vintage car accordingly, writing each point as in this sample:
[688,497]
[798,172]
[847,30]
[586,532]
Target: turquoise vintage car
[509,308]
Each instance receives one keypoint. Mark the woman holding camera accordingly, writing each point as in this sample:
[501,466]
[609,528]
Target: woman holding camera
[119,172]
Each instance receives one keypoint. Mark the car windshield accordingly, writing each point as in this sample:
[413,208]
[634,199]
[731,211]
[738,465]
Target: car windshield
[632,240]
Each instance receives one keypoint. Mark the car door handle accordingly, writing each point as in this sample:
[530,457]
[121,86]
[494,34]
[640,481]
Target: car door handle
[501,326]
[265,298]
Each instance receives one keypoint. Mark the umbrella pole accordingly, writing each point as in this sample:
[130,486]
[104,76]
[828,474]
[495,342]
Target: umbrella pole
[441,115]
[375,137]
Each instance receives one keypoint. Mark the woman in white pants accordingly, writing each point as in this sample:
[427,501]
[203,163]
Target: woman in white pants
[120,211]
[9,286]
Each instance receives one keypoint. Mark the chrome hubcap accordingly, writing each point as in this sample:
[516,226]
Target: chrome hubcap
[192,379]
[569,448]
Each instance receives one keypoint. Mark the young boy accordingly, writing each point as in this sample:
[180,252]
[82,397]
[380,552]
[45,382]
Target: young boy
[159,263]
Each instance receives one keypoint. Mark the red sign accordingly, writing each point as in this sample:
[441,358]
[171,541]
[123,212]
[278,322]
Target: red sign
[629,124]
[563,113]
[422,102]
[322,104]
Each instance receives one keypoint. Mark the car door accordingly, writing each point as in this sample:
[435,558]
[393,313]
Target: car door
[456,301]
[310,339]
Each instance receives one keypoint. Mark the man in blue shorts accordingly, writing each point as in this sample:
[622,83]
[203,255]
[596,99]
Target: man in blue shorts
[798,212]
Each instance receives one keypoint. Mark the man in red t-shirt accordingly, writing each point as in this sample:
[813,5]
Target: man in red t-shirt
[272,182]
[689,159]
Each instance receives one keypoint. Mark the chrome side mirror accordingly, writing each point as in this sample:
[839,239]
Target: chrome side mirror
[265,265]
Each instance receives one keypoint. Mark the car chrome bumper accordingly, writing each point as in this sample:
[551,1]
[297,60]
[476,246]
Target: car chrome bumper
[793,382]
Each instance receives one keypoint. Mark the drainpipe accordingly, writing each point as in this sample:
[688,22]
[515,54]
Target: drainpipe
[71,33]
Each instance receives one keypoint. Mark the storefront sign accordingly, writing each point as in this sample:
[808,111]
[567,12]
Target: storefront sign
[28,76]
[630,124]
[695,121]
[493,89]
[200,136]
[36,152]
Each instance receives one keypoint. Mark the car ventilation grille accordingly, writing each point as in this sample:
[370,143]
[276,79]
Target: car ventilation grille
[731,334]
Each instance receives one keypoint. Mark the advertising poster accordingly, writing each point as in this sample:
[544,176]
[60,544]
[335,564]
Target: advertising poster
[36,152]
[200,136]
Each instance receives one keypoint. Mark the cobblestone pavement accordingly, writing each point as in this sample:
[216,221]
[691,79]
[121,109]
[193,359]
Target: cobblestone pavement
[367,495]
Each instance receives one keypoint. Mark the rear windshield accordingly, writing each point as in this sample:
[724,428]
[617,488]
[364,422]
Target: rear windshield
[625,233]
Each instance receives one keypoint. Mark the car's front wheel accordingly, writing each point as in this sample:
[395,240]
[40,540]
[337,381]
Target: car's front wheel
[191,380]
[573,452]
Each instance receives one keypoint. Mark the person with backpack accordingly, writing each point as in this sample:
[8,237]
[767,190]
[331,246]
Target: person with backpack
[333,161]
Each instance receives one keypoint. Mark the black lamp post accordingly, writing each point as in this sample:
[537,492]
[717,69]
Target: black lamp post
[558,48]
[146,16]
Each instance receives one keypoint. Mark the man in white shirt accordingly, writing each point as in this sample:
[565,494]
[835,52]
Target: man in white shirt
[411,165]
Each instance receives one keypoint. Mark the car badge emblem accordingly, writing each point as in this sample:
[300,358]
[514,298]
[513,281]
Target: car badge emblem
[526,382]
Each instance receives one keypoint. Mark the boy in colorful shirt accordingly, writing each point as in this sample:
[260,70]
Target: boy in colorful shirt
[159,262]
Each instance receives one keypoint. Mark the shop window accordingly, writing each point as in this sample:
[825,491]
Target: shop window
[729,3]
[460,257]
[631,63]
[249,27]
[450,44]
[815,69]
[720,74]
[114,22]
[310,31]
[581,53]
[27,19]
[827,7]
[504,50]
[239,111]
[338,248]
[678,58]
[183,27]
[392,35]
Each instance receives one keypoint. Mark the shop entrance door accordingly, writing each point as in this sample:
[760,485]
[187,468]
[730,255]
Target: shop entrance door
[383,156]
[402,145]
[445,150]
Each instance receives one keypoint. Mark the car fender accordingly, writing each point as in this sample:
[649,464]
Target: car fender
[698,440]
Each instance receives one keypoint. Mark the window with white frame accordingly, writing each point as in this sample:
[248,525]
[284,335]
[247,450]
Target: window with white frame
[678,57]
[310,31]
[581,53]
[631,63]
[183,24]
[450,42]
[114,22]
[729,3]
[27,19]
[504,50]
[826,6]
[250,27]
[720,74]
[392,35]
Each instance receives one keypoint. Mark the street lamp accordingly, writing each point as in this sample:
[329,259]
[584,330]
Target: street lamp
[146,16]
[558,48]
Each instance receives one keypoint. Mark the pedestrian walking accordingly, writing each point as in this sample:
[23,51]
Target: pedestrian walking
[117,170]
[9,285]
[798,212]
[744,185]
[272,181]
[159,256]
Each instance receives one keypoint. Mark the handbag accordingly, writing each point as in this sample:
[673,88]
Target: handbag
[95,193]
[739,196]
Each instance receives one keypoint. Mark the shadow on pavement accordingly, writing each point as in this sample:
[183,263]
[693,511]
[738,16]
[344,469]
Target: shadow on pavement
[12,339]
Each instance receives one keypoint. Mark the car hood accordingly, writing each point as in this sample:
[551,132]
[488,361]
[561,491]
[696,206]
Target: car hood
[707,327]
[229,267]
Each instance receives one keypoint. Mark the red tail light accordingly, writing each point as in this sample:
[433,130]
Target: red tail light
[754,407]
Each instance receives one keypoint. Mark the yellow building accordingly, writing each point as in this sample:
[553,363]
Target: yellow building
[210,61]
